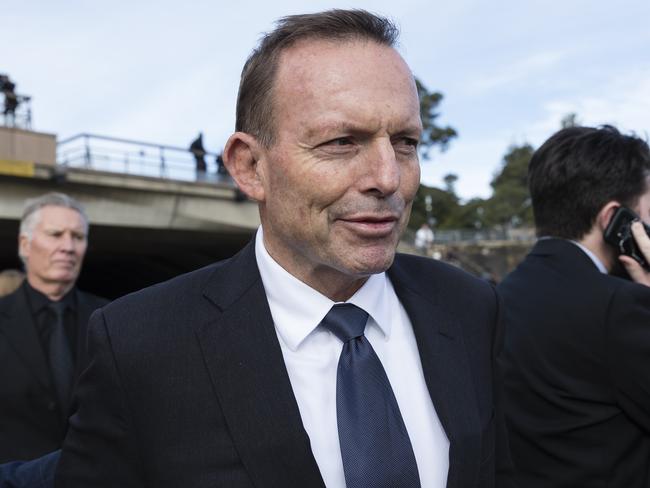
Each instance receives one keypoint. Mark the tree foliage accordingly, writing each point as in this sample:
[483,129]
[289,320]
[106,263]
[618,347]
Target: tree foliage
[509,205]
[450,182]
[442,206]
[510,200]
[570,120]
[432,134]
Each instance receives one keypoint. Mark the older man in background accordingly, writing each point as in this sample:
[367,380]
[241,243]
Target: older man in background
[43,329]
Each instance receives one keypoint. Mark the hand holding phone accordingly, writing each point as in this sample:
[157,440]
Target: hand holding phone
[619,234]
[630,236]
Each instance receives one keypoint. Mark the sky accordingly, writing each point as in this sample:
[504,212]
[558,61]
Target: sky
[161,71]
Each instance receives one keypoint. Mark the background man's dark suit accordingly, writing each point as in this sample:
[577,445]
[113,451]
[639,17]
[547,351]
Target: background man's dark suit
[187,384]
[576,372]
[31,423]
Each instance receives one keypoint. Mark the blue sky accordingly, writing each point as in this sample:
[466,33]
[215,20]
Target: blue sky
[161,71]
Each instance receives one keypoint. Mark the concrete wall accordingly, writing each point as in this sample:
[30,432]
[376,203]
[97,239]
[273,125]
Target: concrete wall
[23,145]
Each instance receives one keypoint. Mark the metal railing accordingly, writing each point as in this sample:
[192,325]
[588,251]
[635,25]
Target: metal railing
[480,235]
[113,154]
[469,236]
[21,116]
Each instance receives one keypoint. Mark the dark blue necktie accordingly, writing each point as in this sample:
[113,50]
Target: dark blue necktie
[60,356]
[375,445]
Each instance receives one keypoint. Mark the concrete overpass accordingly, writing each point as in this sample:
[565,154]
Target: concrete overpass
[144,229]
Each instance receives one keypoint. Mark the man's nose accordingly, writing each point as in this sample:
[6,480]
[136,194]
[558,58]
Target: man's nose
[67,243]
[382,169]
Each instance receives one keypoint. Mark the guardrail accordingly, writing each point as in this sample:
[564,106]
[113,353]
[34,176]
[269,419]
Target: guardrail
[467,235]
[118,155]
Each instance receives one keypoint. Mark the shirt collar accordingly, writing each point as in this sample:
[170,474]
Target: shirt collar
[38,301]
[298,309]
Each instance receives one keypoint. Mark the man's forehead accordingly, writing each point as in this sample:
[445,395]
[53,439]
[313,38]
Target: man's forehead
[311,49]
[54,216]
[316,67]
[326,82]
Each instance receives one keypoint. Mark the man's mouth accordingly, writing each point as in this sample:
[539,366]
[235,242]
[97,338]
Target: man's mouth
[371,225]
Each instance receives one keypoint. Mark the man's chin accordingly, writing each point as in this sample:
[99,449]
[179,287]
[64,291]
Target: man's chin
[63,279]
[373,262]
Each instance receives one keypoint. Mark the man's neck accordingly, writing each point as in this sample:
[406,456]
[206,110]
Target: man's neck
[54,291]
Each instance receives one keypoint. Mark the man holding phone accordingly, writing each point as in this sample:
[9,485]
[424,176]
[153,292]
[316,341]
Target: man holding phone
[577,343]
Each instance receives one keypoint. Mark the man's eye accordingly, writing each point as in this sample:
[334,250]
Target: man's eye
[406,143]
[409,141]
[340,141]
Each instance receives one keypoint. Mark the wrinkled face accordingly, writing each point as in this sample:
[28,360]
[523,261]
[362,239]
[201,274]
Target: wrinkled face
[56,250]
[341,176]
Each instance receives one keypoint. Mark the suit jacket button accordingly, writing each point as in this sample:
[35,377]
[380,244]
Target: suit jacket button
[51,406]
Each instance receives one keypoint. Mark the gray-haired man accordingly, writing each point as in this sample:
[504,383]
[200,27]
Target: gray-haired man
[43,329]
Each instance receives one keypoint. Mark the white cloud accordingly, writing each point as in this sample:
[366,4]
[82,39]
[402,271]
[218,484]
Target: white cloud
[520,70]
[623,101]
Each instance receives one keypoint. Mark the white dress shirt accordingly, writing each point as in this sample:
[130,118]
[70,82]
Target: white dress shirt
[311,354]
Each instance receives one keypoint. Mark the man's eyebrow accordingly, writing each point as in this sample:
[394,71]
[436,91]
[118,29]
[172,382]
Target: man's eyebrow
[334,127]
[410,129]
[59,228]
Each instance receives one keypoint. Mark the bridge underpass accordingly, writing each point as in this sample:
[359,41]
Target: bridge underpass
[143,229]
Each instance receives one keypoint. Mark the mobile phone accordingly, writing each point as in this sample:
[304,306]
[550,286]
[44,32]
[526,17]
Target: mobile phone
[619,234]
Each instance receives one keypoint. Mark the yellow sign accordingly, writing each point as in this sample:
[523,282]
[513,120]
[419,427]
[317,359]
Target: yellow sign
[17,168]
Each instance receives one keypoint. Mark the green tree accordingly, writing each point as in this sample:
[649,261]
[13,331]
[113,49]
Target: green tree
[570,120]
[442,206]
[432,134]
[470,215]
[442,203]
[450,183]
[510,200]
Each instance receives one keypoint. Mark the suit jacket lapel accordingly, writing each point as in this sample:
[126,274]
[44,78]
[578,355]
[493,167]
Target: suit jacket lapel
[245,362]
[446,371]
[17,325]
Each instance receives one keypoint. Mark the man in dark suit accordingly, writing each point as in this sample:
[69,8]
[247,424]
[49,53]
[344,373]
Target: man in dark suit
[577,343]
[40,356]
[311,358]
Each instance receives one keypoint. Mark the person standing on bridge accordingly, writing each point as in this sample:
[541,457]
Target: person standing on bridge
[43,329]
[314,357]
[199,152]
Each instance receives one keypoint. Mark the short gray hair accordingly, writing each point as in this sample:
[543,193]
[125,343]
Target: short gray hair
[33,206]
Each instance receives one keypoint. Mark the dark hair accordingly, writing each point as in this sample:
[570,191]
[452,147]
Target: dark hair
[577,171]
[255,99]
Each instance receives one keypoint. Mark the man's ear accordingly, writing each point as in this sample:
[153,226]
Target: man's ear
[23,246]
[241,157]
[606,213]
